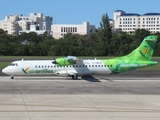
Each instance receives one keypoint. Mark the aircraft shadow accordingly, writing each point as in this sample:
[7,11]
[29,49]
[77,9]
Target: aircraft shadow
[90,79]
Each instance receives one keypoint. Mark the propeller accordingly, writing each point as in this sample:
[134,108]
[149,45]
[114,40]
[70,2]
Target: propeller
[54,58]
[54,62]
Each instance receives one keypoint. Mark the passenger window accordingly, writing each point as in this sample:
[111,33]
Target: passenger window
[98,65]
[92,65]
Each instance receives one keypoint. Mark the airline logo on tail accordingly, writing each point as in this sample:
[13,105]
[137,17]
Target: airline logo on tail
[144,52]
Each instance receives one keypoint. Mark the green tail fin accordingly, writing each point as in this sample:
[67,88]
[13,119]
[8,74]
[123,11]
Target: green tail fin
[145,50]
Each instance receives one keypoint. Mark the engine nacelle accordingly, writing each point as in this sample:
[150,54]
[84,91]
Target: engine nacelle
[69,60]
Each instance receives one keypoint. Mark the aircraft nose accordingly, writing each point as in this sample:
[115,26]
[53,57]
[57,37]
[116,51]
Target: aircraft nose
[4,71]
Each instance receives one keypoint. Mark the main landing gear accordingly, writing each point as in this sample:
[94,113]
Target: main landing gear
[74,77]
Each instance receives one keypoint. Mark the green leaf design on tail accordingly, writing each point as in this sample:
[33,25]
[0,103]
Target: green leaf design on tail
[140,57]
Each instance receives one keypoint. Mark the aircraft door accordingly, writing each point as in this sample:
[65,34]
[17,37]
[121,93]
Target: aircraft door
[116,66]
[54,69]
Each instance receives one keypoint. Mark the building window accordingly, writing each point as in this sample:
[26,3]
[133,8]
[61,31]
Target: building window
[116,17]
[61,29]
[69,30]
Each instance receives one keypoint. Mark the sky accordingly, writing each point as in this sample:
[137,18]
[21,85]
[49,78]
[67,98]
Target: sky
[77,11]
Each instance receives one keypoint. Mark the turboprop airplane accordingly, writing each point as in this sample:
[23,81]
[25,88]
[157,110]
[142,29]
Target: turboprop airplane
[74,67]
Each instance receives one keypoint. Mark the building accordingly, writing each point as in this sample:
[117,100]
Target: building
[10,24]
[129,22]
[16,24]
[32,29]
[60,30]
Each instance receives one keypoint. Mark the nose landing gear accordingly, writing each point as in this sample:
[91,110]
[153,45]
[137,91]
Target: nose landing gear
[12,77]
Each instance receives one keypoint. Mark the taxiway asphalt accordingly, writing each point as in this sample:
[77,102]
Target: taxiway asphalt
[133,95]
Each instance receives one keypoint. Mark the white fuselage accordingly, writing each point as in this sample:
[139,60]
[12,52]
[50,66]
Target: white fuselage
[46,67]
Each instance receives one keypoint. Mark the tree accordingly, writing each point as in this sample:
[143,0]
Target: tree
[140,34]
[105,33]
[105,28]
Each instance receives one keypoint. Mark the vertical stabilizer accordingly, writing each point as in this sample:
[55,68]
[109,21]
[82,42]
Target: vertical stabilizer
[145,51]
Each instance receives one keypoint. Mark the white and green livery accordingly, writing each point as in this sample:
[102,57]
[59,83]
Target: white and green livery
[71,66]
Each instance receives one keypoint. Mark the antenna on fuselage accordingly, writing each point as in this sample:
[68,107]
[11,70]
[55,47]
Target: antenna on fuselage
[22,59]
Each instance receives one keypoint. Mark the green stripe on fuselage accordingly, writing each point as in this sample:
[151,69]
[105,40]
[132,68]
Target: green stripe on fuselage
[119,65]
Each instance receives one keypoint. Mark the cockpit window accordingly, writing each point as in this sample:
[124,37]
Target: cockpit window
[13,64]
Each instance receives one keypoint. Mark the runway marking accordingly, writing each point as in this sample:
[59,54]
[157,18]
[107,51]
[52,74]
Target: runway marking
[110,79]
[79,109]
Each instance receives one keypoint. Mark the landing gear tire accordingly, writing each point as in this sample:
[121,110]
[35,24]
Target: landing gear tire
[74,77]
[12,77]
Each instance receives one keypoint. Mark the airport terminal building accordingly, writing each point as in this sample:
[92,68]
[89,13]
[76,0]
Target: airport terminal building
[129,22]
